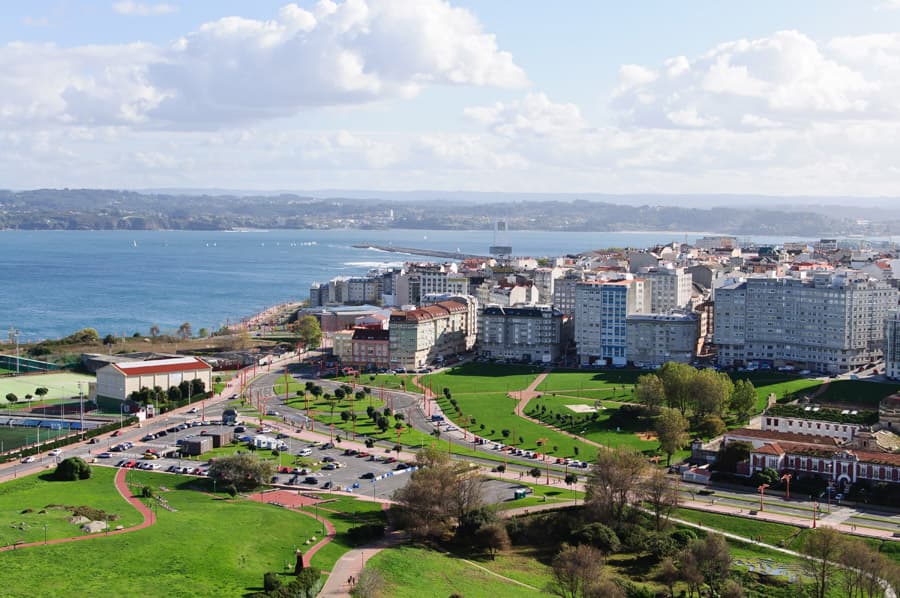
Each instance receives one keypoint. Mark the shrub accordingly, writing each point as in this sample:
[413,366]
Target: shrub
[271,582]
[683,537]
[597,535]
[73,468]
[147,492]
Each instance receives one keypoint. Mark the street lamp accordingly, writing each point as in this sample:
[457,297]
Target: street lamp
[762,491]
[16,334]
[786,478]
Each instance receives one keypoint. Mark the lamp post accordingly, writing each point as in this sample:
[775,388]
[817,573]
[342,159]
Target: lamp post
[762,491]
[815,510]
[786,478]
[16,334]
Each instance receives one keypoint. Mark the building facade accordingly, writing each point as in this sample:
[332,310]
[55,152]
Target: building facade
[419,337]
[670,288]
[601,309]
[654,339]
[827,322]
[532,333]
[892,345]
[118,380]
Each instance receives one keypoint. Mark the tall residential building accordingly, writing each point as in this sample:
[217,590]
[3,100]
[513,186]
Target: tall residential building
[892,345]
[670,288]
[564,292]
[654,339]
[601,308]
[544,281]
[827,321]
[525,333]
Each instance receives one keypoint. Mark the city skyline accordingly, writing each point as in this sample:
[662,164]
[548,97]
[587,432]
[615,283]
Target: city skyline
[396,95]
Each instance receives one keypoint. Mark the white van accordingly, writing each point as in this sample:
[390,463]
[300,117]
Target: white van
[304,452]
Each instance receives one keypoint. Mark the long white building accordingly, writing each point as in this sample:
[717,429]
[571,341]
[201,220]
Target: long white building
[118,380]
[827,321]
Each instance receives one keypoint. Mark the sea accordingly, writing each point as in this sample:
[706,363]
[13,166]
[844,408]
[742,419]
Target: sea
[53,283]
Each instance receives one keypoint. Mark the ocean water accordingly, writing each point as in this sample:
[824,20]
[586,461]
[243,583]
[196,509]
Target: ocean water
[55,282]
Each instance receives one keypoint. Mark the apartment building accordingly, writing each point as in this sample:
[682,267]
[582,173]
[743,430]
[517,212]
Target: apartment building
[420,336]
[892,345]
[601,309]
[654,339]
[564,292]
[670,288]
[825,321]
[522,333]
[343,290]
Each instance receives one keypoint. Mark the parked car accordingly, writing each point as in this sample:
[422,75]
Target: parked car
[367,476]
[56,452]
[327,486]
[192,410]
[104,455]
[310,480]
[28,460]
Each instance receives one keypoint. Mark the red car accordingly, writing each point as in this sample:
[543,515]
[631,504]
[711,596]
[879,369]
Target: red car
[116,433]
[363,454]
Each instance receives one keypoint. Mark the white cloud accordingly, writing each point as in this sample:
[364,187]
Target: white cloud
[142,9]
[535,115]
[786,78]
[36,21]
[235,70]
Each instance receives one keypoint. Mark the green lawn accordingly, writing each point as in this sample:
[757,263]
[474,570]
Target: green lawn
[578,380]
[857,392]
[208,547]
[782,387]
[495,411]
[541,494]
[481,378]
[37,492]
[766,531]
[415,572]
[350,512]
[14,437]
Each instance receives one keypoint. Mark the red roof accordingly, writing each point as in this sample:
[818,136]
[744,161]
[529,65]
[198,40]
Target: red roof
[162,366]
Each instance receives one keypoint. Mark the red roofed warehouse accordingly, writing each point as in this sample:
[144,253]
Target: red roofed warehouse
[118,380]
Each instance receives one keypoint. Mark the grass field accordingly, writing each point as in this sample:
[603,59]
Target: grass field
[61,385]
[481,378]
[208,547]
[542,494]
[35,492]
[577,380]
[415,572]
[12,437]
[343,513]
[857,392]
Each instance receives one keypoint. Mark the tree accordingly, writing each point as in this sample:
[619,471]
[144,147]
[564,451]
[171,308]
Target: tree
[689,571]
[668,574]
[41,392]
[713,560]
[823,546]
[203,332]
[154,330]
[369,584]
[671,429]
[185,331]
[599,536]
[710,426]
[743,399]
[611,481]
[174,394]
[493,538]
[711,391]
[650,392]
[729,456]
[71,469]
[535,472]
[660,495]
[439,495]
[576,570]
[309,331]
[109,340]
[246,471]
[11,397]
[676,378]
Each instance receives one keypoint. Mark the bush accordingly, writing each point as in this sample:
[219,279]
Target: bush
[597,535]
[683,537]
[271,582]
[147,492]
[362,534]
[71,469]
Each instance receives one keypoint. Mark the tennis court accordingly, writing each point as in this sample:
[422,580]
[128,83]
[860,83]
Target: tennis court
[61,385]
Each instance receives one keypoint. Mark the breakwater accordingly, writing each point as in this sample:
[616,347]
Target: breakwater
[451,255]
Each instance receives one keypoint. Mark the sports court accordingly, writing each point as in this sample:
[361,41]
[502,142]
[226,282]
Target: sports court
[62,385]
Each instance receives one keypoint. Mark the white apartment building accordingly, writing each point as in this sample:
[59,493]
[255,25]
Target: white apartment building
[601,309]
[522,333]
[892,345]
[544,281]
[654,339]
[826,321]
[670,288]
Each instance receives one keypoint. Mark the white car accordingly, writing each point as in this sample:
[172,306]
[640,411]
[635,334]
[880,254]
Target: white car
[55,452]
[192,410]
[28,460]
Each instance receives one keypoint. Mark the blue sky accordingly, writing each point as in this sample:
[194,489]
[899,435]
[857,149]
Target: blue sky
[783,98]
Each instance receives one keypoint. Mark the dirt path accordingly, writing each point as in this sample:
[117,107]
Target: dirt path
[123,489]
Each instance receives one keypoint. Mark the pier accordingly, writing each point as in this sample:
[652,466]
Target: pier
[452,255]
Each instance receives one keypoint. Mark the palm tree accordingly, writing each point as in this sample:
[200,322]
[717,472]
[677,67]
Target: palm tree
[154,330]
[184,331]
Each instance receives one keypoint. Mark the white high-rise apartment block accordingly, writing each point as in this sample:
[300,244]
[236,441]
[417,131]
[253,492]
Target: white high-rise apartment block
[670,288]
[654,339]
[601,308]
[826,321]
[892,345]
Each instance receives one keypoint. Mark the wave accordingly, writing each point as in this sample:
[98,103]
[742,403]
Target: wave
[374,264]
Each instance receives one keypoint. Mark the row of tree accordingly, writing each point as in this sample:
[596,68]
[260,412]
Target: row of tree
[186,389]
[695,392]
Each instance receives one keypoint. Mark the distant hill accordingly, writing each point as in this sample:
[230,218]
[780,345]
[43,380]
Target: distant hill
[219,210]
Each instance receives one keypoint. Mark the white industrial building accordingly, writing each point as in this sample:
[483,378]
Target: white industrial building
[118,380]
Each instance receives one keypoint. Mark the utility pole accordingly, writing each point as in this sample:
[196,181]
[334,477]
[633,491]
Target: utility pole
[81,405]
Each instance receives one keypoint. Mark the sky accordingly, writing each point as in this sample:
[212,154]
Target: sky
[797,98]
